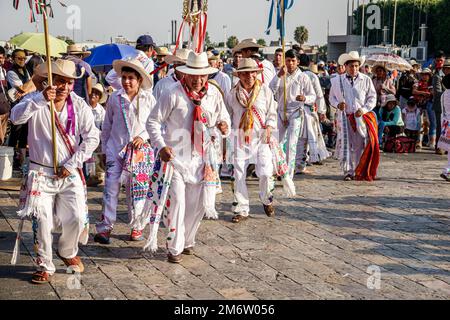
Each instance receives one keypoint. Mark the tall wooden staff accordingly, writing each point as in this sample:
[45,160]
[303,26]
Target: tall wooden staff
[50,83]
[283,44]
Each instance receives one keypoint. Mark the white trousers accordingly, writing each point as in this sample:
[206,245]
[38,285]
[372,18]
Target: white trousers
[111,198]
[446,170]
[63,204]
[356,149]
[264,170]
[185,213]
[289,137]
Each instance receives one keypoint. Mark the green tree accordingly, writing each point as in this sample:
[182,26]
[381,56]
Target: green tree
[323,52]
[301,35]
[410,14]
[261,42]
[232,42]
[208,42]
[66,39]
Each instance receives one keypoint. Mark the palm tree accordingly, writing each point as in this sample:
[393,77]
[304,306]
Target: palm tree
[232,42]
[301,34]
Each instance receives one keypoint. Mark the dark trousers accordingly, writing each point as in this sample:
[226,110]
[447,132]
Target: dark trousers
[438,126]
[18,136]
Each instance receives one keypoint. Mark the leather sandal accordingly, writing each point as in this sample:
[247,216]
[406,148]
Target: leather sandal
[269,210]
[41,277]
[75,263]
[238,218]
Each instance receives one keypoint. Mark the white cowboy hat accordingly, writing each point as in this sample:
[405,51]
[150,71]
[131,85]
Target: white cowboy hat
[64,68]
[247,43]
[179,57]
[99,88]
[147,81]
[77,49]
[197,64]
[351,56]
[389,98]
[247,65]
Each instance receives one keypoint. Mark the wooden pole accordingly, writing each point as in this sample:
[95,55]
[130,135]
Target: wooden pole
[395,23]
[283,44]
[50,83]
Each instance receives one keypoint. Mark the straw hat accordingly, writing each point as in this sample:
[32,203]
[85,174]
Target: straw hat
[100,89]
[179,57]
[247,43]
[413,63]
[212,56]
[64,68]
[197,64]
[162,51]
[147,81]
[351,56]
[446,63]
[247,65]
[427,70]
[76,49]
[314,69]
[390,98]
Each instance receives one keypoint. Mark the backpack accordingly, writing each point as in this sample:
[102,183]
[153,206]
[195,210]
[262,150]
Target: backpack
[400,144]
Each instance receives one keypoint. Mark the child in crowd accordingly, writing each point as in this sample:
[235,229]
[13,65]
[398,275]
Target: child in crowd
[390,119]
[129,156]
[412,119]
[95,166]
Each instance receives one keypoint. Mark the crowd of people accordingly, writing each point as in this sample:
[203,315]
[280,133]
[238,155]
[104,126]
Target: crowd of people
[168,127]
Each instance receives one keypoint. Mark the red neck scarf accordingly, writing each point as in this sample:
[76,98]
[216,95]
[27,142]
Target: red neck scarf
[199,117]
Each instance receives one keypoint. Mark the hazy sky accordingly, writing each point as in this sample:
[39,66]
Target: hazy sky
[102,19]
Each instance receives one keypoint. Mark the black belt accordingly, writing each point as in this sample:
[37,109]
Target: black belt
[42,165]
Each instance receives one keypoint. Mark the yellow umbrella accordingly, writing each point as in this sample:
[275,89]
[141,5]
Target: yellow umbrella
[36,42]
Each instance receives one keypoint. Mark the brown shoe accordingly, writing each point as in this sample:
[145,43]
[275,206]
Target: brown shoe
[440,151]
[269,210]
[74,263]
[174,259]
[188,251]
[348,177]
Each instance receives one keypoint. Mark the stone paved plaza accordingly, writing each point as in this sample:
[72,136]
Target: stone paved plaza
[389,239]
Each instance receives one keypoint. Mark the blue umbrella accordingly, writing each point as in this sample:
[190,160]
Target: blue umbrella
[104,56]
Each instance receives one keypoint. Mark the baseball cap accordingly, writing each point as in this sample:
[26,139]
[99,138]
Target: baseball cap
[145,40]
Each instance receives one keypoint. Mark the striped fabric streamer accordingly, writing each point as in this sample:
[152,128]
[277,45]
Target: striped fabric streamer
[16,4]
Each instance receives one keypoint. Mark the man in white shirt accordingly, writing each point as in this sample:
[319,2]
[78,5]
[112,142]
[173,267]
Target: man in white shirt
[292,118]
[186,111]
[145,47]
[221,79]
[254,118]
[354,95]
[57,199]
[315,144]
[177,60]
[123,129]
[249,49]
